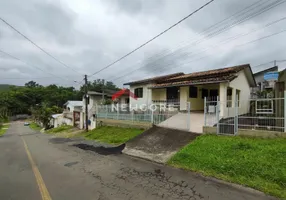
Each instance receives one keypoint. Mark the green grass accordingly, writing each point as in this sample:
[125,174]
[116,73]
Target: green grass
[59,129]
[254,162]
[113,135]
[35,126]
[3,129]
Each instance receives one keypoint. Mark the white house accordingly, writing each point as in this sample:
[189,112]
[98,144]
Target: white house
[57,120]
[225,84]
[72,105]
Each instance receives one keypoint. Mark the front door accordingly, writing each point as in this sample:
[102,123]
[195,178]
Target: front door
[213,96]
[173,94]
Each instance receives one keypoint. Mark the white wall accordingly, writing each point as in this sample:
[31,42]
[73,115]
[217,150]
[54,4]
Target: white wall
[70,107]
[239,83]
[147,95]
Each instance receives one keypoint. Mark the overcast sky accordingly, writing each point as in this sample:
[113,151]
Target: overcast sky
[87,35]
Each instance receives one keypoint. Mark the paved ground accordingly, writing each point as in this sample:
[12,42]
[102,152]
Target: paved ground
[158,144]
[69,172]
[181,121]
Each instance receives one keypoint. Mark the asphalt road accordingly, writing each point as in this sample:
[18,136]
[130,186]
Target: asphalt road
[37,166]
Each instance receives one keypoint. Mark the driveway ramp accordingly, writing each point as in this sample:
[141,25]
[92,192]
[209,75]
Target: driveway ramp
[158,144]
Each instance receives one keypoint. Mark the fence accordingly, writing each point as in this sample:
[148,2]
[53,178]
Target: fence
[146,113]
[252,114]
[159,113]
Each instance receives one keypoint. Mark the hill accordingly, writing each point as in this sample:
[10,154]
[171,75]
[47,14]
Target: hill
[4,87]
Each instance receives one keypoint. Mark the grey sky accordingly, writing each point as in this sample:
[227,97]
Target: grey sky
[89,34]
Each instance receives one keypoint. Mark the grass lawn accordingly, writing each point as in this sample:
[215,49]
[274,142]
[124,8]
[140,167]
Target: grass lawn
[113,135]
[60,129]
[254,162]
[35,126]
[3,129]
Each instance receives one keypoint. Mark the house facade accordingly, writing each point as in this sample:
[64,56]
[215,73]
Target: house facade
[262,84]
[224,84]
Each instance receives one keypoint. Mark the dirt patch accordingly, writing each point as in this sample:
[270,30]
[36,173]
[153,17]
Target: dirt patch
[101,150]
[158,144]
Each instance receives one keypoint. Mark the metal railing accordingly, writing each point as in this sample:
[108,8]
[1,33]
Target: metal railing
[150,113]
[266,114]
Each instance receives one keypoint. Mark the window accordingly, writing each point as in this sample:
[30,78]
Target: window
[193,92]
[205,93]
[138,92]
[229,97]
[229,91]
[127,100]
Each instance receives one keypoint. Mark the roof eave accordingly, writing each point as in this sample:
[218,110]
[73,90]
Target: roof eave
[190,84]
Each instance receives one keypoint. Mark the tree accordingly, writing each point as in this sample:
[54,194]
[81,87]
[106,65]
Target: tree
[32,84]
[20,100]
[99,85]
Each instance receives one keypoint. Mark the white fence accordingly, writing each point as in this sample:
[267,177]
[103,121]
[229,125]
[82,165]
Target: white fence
[255,114]
[157,114]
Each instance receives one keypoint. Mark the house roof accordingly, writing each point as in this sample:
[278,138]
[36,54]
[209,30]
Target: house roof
[74,103]
[56,115]
[155,79]
[271,69]
[208,77]
[93,93]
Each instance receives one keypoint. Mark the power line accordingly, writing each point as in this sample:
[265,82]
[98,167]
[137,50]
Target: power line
[218,45]
[144,44]
[262,38]
[252,41]
[239,21]
[28,64]
[47,53]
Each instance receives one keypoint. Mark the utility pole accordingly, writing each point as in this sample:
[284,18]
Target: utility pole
[86,103]
[274,63]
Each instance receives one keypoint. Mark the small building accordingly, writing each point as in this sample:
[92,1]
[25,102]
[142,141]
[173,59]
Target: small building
[57,120]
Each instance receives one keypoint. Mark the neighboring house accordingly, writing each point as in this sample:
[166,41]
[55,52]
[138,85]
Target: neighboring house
[72,109]
[99,99]
[57,120]
[225,84]
[280,85]
[262,84]
[73,105]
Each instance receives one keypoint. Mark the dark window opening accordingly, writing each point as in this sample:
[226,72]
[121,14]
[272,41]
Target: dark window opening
[193,92]
[127,100]
[138,92]
[205,93]
[172,93]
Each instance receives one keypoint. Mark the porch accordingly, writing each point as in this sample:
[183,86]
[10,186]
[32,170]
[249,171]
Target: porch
[180,96]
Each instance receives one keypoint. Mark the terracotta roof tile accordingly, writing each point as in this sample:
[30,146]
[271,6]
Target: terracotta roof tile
[204,77]
[155,79]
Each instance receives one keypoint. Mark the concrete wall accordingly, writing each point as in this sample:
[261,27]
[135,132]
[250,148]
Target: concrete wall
[67,121]
[260,133]
[147,95]
[123,123]
[248,132]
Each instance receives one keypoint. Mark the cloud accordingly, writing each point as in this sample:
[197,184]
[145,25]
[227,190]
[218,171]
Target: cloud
[88,35]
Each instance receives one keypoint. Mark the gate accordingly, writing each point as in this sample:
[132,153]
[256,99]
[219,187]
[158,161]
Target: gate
[175,116]
[255,114]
